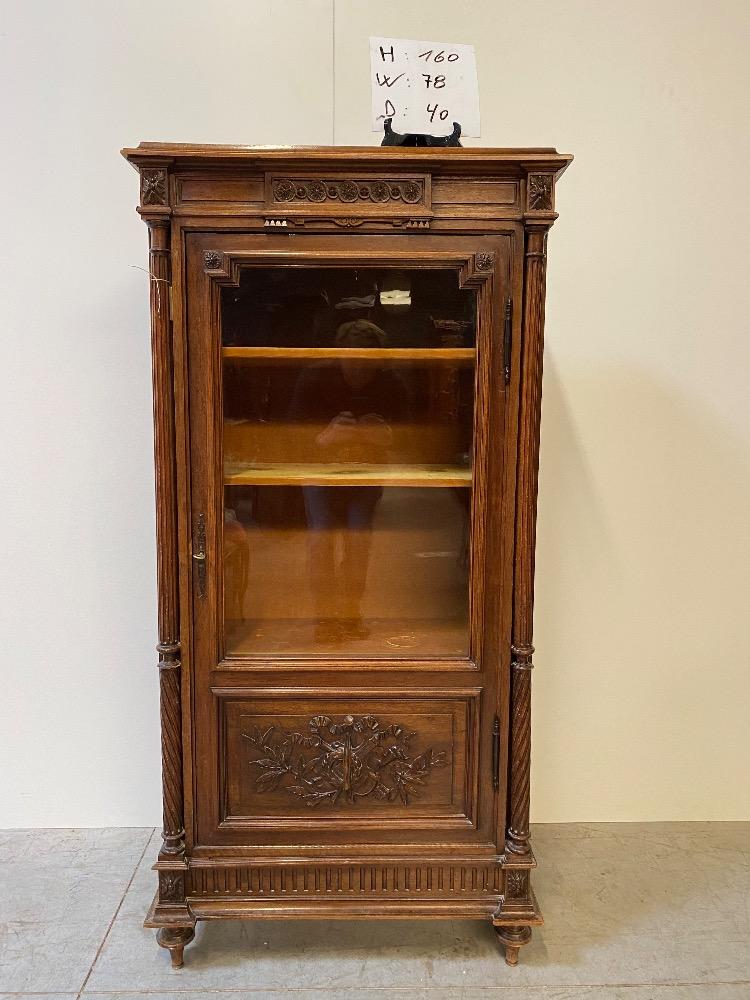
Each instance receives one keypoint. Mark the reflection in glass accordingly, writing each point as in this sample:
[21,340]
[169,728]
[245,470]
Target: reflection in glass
[348,411]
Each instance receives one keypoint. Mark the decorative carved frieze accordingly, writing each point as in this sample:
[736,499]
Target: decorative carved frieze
[348,191]
[154,187]
[312,222]
[341,762]
[370,880]
[540,189]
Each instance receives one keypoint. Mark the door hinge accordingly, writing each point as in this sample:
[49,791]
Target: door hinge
[507,338]
[496,753]
[199,555]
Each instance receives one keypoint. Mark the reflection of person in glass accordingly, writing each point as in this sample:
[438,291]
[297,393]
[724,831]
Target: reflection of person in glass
[351,404]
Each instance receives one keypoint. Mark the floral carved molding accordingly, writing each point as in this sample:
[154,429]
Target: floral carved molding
[540,192]
[341,762]
[171,887]
[153,187]
[349,191]
[517,883]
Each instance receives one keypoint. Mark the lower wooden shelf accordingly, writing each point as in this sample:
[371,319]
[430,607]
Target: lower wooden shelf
[388,638]
[346,474]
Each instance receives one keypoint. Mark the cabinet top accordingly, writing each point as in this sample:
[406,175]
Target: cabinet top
[436,158]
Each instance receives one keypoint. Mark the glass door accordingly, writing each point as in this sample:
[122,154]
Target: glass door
[347,421]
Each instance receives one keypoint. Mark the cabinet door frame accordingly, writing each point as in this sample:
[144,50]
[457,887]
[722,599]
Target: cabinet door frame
[213,260]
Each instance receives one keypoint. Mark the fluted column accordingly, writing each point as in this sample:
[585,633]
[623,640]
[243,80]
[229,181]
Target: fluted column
[166,540]
[517,841]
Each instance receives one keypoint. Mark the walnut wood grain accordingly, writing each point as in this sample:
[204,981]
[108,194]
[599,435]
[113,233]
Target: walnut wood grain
[490,162]
[369,880]
[513,938]
[396,355]
[526,508]
[330,474]
[175,939]
[173,833]
[433,821]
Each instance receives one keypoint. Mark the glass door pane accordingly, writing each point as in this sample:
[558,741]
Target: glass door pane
[348,435]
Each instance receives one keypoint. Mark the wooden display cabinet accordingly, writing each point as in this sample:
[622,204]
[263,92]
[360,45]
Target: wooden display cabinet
[347,357]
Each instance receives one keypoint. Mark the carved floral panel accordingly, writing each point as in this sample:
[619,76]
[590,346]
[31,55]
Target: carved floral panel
[516,883]
[540,189]
[153,187]
[171,887]
[341,762]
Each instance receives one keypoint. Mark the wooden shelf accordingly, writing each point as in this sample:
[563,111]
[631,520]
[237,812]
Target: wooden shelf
[389,638]
[333,474]
[466,355]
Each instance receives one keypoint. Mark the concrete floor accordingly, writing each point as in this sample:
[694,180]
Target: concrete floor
[655,911]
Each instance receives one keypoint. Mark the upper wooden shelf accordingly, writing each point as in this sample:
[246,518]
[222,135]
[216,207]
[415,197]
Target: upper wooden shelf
[400,354]
[349,474]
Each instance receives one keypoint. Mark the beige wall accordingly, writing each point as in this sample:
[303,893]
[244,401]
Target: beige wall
[642,684]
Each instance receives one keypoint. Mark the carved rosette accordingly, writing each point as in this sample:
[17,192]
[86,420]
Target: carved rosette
[484,261]
[171,887]
[153,187]
[340,763]
[349,191]
[516,884]
[212,259]
[540,192]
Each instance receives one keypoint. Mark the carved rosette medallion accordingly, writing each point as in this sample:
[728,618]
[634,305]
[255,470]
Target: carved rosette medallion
[171,887]
[153,187]
[340,763]
[540,189]
[286,189]
[212,259]
[517,883]
[484,261]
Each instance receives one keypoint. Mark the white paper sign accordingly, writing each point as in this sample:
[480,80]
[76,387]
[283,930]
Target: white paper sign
[424,86]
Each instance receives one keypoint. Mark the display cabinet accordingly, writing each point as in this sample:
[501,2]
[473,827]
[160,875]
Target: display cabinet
[347,359]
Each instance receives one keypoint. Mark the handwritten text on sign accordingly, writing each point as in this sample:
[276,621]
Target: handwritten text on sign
[424,86]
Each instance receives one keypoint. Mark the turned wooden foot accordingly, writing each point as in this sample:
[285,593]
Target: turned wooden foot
[175,938]
[513,938]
